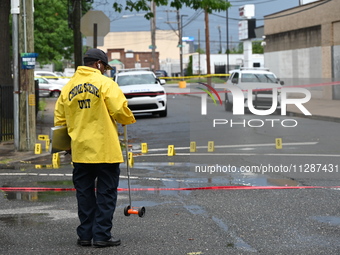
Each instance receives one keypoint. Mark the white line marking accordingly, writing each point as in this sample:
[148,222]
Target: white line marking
[33,174]
[235,146]
[240,154]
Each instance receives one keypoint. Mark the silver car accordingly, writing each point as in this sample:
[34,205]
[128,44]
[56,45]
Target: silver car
[48,88]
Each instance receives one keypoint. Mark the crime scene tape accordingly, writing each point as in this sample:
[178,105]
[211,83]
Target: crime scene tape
[42,189]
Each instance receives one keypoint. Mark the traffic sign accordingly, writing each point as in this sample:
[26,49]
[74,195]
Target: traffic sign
[95,17]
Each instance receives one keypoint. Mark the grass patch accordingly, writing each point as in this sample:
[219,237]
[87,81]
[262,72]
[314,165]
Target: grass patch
[5,161]
[42,104]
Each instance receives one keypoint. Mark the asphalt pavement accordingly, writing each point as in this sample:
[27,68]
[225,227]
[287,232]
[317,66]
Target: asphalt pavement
[321,109]
[178,221]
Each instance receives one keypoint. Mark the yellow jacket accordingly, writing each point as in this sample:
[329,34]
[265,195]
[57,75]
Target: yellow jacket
[89,105]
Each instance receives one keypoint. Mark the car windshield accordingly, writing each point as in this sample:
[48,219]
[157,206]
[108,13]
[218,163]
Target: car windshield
[135,79]
[258,77]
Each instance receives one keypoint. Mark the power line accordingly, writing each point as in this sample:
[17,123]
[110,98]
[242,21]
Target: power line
[276,17]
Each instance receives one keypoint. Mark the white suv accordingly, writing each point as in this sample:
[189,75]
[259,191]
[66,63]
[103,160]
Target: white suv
[52,77]
[143,90]
[260,81]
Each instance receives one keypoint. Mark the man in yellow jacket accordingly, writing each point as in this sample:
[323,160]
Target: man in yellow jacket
[90,105]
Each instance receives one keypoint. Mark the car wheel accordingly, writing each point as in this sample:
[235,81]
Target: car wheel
[55,93]
[227,105]
[163,113]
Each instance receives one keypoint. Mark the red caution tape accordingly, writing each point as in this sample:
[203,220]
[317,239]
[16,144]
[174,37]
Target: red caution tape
[40,189]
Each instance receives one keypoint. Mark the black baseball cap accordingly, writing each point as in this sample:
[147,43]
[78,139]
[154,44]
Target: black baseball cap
[98,55]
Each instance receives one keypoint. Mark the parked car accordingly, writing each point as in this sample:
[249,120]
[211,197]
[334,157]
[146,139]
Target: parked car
[161,73]
[47,88]
[143,90]
[54,78]
[260,80]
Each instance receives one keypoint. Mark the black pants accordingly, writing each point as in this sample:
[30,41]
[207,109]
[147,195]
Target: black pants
[96,206]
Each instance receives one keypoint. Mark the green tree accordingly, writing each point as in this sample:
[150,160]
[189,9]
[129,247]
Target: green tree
[53,38]
[257,48]
[201,51]
[144,5]
[189,67]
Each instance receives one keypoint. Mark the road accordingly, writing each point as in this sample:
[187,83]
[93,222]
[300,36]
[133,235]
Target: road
[235,212]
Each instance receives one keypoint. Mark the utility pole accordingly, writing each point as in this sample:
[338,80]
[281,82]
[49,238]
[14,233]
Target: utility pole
[219,32]
[227,35]
[27,113]
[153,36]
[15,11]
[180,43]
[207,45]
[199,52]
[180,31]
[78,45]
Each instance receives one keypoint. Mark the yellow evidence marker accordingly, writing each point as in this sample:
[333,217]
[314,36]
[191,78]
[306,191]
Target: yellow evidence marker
[278,143]
[130,159]
[171,150]
[56,160]
[45,138]
[37,148]
[211,146]
[144,147]
[193,147]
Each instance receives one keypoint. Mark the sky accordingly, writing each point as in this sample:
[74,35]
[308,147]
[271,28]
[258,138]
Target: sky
[193,23]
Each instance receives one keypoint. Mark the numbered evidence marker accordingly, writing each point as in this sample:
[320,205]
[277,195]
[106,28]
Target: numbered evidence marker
[130,159]
[144,147]
[278,143]
[37,148]
[171,150]
[211,146]
[45,138]
[193,147]
[56,160]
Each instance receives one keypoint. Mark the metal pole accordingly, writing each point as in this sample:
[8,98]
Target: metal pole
[154,63]
[24,17]
[15,11]
[219,33]
[207,45]
[95,35]
[227,34]
[181,42]
[199,52]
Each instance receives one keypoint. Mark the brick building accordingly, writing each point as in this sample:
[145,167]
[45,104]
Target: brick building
[303,46]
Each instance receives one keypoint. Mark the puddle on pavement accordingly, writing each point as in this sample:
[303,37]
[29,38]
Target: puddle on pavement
[26,220]
[188,178]
[43,196]
[41,162]
[331,220]
[195,209]
[232,179]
